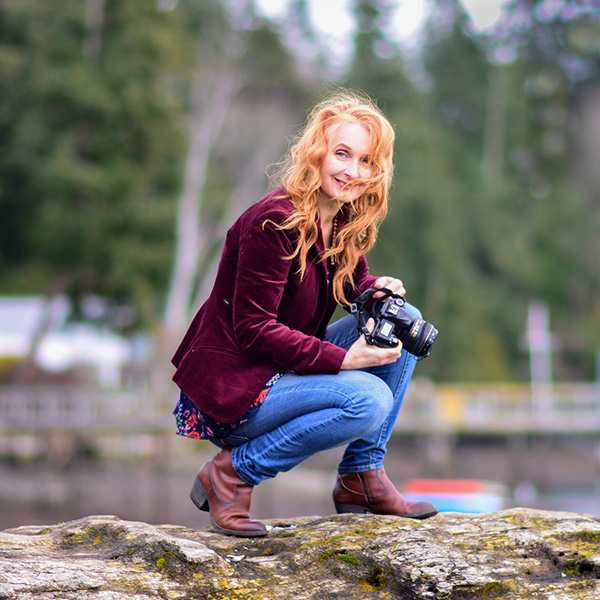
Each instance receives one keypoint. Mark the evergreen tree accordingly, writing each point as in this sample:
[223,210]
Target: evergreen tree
[89,121]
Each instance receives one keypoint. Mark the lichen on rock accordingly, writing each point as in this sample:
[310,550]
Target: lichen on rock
[513,554]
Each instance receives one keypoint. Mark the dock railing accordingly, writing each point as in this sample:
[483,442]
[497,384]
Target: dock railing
[428,408]
[502,409]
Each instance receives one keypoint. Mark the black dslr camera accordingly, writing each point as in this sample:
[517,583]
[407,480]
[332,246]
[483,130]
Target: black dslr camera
[393,323]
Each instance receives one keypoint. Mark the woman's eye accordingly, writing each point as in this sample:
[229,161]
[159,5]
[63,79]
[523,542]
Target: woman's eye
[341,153]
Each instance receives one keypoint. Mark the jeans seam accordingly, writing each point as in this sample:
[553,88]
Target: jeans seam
[384,426]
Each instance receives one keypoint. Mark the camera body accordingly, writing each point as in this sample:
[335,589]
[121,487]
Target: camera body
[394,324]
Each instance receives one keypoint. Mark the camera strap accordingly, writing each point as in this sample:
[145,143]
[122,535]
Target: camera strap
[357,308]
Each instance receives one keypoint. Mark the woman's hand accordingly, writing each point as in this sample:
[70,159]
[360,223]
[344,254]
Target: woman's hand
[391,283]
[361,354]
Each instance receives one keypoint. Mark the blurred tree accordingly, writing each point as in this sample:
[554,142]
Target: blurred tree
[555,52]
[467,231]
[458,71]
[243,98]
[215,81]
[430,238]
[377,66]
[89,121]
[522,131]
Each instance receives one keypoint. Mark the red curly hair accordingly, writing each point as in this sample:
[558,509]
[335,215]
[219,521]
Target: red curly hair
[301,176]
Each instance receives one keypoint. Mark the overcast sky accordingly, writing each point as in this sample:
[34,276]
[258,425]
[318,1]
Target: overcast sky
[332,18]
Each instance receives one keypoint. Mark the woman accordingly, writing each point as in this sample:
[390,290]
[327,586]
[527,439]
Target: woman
[261,375]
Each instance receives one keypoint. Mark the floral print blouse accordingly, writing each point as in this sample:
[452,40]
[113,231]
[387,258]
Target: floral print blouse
[194,423]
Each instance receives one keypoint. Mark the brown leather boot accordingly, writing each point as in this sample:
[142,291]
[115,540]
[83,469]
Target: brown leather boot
[373,492]
[220,490]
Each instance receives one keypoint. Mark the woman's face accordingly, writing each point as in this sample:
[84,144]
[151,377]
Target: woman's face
[347,159]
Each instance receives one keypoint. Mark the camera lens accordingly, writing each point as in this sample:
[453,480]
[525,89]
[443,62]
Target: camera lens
[420,338]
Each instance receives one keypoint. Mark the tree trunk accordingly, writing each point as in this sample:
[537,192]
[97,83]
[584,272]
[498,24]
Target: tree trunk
[248,190]
[94,20]
[495,121]
[210,105]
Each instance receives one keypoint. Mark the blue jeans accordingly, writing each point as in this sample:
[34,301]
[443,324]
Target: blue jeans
[304,414]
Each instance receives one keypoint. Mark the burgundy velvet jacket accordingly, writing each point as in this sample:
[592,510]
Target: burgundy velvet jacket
[260,317]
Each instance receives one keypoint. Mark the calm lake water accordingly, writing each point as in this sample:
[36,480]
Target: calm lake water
[543,472]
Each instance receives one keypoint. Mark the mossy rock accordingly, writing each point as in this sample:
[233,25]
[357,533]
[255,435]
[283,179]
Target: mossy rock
[513,554]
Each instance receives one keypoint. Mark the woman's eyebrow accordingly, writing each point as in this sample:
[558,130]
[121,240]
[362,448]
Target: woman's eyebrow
[343,146]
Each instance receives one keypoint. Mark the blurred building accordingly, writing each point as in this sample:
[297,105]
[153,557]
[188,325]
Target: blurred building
[43,329]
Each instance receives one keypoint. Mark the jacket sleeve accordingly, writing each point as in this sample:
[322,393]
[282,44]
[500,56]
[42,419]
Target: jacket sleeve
[261,277]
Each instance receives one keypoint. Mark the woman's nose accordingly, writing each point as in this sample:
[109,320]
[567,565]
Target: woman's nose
[352,170]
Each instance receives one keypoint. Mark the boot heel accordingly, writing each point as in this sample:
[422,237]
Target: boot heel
[199,496]
[342,507]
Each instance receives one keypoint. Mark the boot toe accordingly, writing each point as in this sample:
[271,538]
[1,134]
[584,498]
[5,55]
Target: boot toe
[249,529]
[422,510]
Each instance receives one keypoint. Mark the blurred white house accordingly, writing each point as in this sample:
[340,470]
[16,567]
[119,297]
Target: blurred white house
[64,345]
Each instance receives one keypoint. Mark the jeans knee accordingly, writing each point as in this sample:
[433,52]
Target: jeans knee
[372,400]
[381,400]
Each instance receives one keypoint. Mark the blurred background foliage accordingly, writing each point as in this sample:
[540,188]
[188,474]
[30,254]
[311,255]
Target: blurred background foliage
[133,133]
